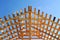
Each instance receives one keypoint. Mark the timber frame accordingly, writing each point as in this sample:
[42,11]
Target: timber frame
[29,24]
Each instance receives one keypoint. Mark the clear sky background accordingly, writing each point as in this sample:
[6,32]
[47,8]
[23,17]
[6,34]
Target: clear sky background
[48,6]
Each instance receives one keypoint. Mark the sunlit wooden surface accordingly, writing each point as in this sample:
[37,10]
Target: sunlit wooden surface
[29,23]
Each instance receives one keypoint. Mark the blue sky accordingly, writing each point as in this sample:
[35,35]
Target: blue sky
[48,6]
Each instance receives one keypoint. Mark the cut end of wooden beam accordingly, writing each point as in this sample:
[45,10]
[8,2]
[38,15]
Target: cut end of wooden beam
[17,13]
[5,18]
[42,13]
[54,18]
[24,10]
[29,8]
[50,17]
[46,15]
[13,14]
[38,11]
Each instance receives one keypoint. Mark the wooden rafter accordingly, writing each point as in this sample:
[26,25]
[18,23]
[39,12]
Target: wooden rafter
[30,24]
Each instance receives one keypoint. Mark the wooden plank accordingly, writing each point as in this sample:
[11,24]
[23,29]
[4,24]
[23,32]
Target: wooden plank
[39,25]
[29,11]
